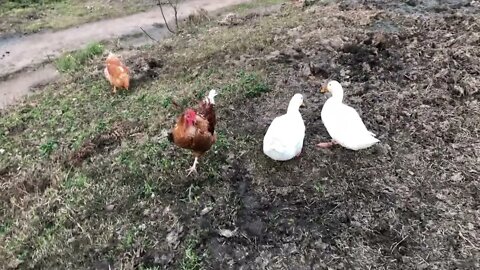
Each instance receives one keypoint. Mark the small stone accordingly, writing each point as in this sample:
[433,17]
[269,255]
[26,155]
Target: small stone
[109,207]
[173,237]
[305,70]
[295,32]
[457,177]
[227,233]
[470,226]
[206,210]
[273,55]
[336,43]
[412,3]
[230,19]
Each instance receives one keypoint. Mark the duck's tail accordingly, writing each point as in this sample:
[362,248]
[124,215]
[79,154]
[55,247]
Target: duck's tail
[275,150]
[366,142]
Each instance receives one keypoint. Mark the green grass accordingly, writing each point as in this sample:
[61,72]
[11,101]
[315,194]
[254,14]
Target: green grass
[62,220]
[191,260]
[150,268]
[319,188]
[256,4]
[75,61]
[33,15]
[47,148]
[252,84]
[77,181]
[5,226]
[9,5]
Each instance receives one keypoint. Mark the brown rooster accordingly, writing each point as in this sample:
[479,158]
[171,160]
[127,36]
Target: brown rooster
[195,129]
[116,73]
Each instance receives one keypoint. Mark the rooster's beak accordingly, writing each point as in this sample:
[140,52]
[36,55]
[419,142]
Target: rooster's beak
[303,105]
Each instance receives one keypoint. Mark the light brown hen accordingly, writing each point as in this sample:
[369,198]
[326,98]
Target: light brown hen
[116,73]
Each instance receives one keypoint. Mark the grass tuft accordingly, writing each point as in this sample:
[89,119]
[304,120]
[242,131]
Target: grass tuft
[27,16]
[243,7]
[5,227]
[75,61]
[21,4]
[251,84]
[47,148]
[191,260]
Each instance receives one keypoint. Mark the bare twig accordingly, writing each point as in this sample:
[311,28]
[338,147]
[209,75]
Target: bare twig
[395,245]
[148,35]
[466,239]
[175,11]
[176,17]
[174,7]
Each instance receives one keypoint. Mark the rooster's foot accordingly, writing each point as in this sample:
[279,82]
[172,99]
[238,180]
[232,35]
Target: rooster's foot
[193,169]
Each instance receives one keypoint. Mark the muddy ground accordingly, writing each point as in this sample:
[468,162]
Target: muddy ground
[411,202]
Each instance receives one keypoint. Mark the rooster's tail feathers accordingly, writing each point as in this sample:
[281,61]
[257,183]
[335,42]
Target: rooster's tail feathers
[211,95]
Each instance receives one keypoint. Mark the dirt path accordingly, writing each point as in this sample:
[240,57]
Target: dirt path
[20,53]
[21,84]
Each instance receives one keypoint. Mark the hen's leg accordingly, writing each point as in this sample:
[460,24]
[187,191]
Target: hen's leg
[327,144]
[114,89]
[194,167]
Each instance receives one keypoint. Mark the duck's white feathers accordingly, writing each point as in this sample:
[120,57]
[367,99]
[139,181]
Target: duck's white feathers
[284,137]
[345,126]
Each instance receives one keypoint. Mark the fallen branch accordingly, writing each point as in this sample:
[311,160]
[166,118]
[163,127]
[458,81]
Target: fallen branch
[148,35]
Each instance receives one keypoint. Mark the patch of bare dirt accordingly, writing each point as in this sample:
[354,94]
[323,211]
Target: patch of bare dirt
[119,131]
[20,188]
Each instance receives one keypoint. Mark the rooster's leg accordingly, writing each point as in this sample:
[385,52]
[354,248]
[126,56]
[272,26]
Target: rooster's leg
[326,144]
[194,167]
[114,89]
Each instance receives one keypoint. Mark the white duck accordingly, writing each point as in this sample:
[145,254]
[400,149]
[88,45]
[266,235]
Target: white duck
[343,122]
[284,137]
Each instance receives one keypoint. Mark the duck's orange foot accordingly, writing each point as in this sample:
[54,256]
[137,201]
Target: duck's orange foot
[326,144]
